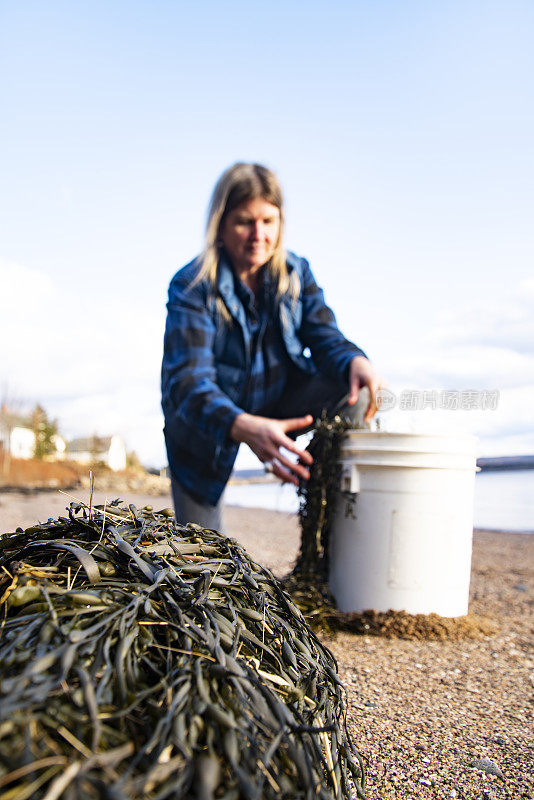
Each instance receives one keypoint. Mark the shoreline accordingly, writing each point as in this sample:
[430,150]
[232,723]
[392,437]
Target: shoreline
[421,712]
[20,495]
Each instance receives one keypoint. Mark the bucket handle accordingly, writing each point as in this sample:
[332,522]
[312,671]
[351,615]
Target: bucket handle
[350,479]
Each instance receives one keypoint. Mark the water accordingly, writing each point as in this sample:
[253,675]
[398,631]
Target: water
[503,500]
[274,496]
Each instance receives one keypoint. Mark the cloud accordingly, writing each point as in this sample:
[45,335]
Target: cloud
[90,359]
[507,322]
[469,366]
[485,345]
[503,426]
[489,346]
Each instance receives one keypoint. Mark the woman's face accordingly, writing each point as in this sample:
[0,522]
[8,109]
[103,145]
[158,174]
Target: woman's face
[250,234]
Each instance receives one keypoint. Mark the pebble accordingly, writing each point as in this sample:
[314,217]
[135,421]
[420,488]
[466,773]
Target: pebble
[487,766]
[432,711]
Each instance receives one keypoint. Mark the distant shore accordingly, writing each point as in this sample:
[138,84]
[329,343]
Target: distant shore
[505,463]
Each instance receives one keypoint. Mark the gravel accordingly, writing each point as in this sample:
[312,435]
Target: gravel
[452,718]
[433,719]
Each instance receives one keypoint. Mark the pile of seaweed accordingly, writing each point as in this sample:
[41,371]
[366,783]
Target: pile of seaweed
[319,499]
[320,496]
[143,659]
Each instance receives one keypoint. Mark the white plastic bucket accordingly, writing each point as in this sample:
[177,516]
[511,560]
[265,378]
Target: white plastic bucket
[402,534]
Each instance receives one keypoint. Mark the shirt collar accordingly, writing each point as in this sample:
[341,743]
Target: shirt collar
[227,281]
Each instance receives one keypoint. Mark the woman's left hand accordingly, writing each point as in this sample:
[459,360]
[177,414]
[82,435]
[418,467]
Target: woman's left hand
[362,373]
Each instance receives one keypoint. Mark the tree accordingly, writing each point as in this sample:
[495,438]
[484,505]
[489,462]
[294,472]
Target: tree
[45,429]
[132,461]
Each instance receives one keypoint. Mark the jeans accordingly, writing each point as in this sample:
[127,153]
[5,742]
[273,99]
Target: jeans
[188,510]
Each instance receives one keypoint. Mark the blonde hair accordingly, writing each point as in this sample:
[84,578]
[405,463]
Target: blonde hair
[237,184]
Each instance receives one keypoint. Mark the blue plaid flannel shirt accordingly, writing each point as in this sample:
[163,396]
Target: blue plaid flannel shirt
[214,369]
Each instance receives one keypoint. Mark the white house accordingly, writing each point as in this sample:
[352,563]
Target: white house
[20,442]
[110,450]
[16,435]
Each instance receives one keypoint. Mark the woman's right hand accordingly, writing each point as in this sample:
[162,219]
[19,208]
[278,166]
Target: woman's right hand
[266,436]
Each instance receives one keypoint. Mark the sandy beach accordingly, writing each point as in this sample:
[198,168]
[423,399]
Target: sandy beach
[432,719]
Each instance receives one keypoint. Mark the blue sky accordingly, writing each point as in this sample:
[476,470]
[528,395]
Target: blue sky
[403,136]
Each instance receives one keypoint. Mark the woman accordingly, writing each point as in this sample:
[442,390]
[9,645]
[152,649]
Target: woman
[251,351]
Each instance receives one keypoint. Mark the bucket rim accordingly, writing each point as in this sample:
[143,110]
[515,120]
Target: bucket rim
[416,435]
[398,444]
